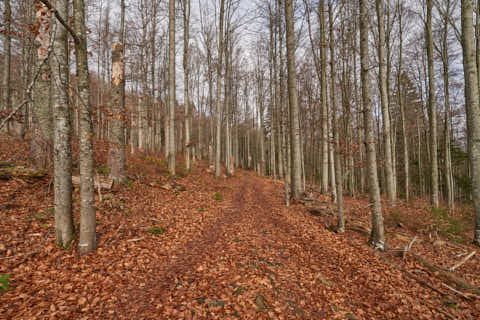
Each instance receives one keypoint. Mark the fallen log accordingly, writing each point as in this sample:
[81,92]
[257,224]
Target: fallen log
[100,182]
[320,211]
[446,275]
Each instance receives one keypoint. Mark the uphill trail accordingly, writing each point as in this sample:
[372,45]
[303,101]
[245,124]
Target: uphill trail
[260,260]
[226,249]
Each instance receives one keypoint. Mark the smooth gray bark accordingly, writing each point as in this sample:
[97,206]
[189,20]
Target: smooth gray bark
[88,238]
[296,173]
[473,107]
[62,156]
[171,87]
[377,236]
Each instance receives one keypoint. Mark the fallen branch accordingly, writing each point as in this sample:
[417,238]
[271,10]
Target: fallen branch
[320,211]
[446,275]
[462,262]
[461,294]
[414,277]
[104,183]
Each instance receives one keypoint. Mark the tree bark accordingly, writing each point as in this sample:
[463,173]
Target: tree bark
[377,236]
[186,39]
[387,141]
[62,158]
[42,137]
[336,127]
[171,87]
[296,179]
[473,108]
[7,52]
[88,239]
[432,106]
[116,151]
[218,113]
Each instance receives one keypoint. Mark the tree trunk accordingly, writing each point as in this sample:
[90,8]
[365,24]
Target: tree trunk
[171,87]
[88,239]
[7,52]
[473,108]
[219,92]
[336,127]
[186,39]
[116,151]
[377,236]
[432,106]
[297,189]
[387,146]
[401,103]
[42,137]
[62,158]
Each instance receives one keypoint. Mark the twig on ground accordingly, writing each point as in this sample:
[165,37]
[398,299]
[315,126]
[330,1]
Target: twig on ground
[461,294]
[463,261]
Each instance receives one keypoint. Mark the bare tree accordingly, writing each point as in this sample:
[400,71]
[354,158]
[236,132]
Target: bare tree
[7,55]
[296,180]
[88,239]
[473,107]
[186,39]
[432,103]
[62,156]
[171,87]
[117,151]
[387,140]
[219,89]
[377,237]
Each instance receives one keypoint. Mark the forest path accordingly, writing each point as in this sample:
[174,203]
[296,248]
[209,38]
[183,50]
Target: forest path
[260,260]
[239,255]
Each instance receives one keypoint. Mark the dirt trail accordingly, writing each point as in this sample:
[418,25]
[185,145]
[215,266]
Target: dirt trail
[244,256]
[259,260]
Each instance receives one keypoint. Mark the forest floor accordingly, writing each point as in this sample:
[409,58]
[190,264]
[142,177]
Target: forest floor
[203,248]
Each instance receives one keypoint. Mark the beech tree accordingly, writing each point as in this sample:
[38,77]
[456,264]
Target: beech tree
[171,87]
[62,154]
[296,179]
[88,239]
[117,151]
[377,236]
[473,107]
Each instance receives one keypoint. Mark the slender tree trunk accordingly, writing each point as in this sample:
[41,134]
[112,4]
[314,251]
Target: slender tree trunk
[218,112]
[323,96]
[400,96]
[88,239]
[62,157]
[473,107]
[387,146]
[336,127]
[116,152]
[171,87]
[297,190]
[7,54]
[432,106]
[377,237]
[186,39]
[42,137]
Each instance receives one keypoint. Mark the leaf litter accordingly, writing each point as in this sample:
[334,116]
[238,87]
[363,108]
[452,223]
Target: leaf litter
[165,254]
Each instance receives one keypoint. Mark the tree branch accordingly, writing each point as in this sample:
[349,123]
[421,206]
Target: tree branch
[34,80]
[61,20]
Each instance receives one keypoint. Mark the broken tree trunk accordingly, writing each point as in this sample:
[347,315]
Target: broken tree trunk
[104,183]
